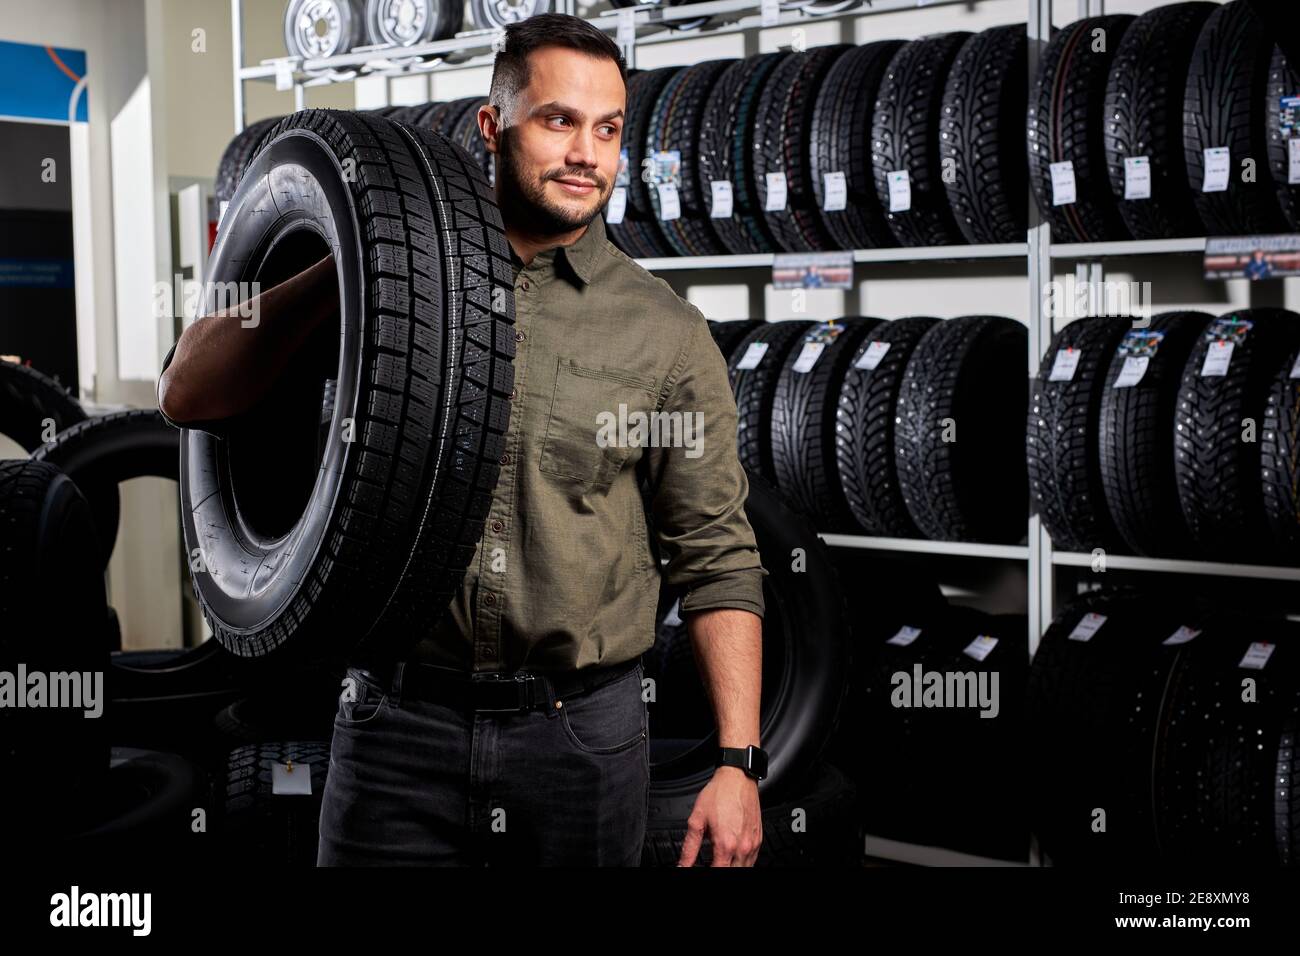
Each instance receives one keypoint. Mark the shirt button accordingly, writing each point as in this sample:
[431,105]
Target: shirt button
[505,459]
[514,393]
[519,336]
[524,284]
[497,526]
[490,599]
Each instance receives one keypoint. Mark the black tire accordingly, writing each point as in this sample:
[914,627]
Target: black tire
[372,552]
[1135,437]
[803,434]
[52,606]
[754,390]
[640,229]
[236,155]
[1066,122]
[1144,117]
[492,14]
[34,406]
[101,453]
[726,151]
[675,125]
[1279,453]
[805,658]
[1061,438]
[1092,712]
[1217,757]
[262,828]
[264,718]
[727,335]
[841,134]
[465,133]
[905,135]
[1218,471]
[1283,80]
[830,838]
[982,126]
[1224,105]
[973,367]
[784,119]
[1286,789]
[864,430]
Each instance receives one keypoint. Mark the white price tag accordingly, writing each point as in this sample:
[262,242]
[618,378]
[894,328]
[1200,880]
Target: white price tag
[906,635]
[900,190]
[775,192]
[1088,625]
[1257,655]
[720,206]
[290,778]
[753,355]
[1293,161]
[835,191]
[1217,357]
[1067,360]
[1135,366]
[808,356]
[980,647]
[1295,367]
[769,13]
[1062,182]
[283,75]
[617,205]
[871,357]
[1137,177]
[673,618]
[1182,635]
[626,28]
[670,206]
[1216,170]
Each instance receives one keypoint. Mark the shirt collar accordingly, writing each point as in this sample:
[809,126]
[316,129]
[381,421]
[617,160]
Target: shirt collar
[580,255]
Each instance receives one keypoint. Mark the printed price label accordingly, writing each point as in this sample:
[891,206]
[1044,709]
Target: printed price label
[1088,625]
[1217,357]
[283,75]
[870,358]
[1067,360]
[290,778]
[1295,367]
[617,205]
[1182,635]
[670,206]
[835,191]
[769,13]
[626,28]
[1063,190]
[673,618]
[1216,170]
[720,205]
[1137,177]
[900,190]
[1257,655]
[980,647]
[1293,161]
[808,356]
[906,635]
[775,192]
[1132,371]
[753,355]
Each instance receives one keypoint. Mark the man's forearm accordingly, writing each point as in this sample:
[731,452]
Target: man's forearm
[728,645]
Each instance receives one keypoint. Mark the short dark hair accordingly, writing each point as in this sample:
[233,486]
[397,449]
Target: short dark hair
[510,67]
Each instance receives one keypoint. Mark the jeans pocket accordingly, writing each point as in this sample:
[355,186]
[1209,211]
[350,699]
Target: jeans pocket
[610,719]
[362,698]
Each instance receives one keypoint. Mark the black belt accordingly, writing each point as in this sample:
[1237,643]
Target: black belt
[490,690]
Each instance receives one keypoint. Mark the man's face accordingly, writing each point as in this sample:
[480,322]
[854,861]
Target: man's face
[558,155]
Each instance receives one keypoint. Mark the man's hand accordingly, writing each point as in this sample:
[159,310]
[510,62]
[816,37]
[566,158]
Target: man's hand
[727,811]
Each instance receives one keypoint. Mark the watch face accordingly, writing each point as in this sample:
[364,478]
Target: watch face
[758,761]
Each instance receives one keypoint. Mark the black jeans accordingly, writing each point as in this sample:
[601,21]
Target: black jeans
[418,783]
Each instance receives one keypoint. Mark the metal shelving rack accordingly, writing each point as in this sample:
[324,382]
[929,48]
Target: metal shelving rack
[647,24]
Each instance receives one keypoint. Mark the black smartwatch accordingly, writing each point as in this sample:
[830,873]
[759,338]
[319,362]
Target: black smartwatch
[751,759]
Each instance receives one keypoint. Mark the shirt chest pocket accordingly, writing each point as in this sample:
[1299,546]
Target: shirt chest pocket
[585,436]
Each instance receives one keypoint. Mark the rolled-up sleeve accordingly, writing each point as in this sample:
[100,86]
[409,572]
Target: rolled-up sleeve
[699,492]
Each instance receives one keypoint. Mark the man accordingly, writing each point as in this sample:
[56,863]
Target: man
[561,592]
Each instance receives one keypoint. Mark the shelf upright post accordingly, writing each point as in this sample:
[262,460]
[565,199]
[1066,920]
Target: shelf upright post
[237,44]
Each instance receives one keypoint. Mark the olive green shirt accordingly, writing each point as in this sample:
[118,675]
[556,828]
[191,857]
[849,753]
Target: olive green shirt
[567,572]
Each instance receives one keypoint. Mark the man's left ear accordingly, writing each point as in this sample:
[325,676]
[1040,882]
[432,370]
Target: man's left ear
[491,141]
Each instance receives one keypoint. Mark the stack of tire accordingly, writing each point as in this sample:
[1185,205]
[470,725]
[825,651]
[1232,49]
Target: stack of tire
[1163,125]
[1163,730]
[886,428]
[839,147]
[1177,438]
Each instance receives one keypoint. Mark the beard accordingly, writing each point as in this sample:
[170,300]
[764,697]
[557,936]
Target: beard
[524,197]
